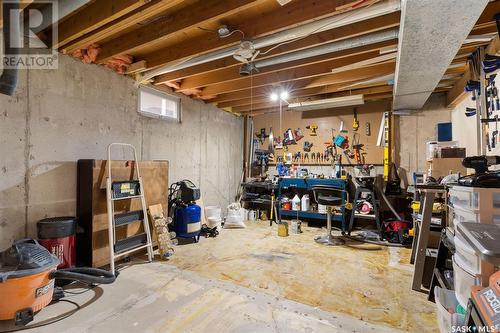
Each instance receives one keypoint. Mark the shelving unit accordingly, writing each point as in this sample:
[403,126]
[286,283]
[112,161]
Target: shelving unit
[294,185]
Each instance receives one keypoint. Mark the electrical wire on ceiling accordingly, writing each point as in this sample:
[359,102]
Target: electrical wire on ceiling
[317,29]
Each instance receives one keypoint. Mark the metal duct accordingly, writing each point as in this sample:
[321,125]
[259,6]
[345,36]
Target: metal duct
[8,80]
[375,10]
[346,44]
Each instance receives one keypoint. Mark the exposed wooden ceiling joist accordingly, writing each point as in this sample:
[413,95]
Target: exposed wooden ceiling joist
[300,92]
[92,17]
[208,69]
[149,10]
[192,16]
[232,74]
[282,18]
[265,104]
[279,77]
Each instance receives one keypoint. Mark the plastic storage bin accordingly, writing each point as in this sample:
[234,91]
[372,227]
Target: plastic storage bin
[463,280]
[463,198]
[467,258]
[465,215]
[446,303]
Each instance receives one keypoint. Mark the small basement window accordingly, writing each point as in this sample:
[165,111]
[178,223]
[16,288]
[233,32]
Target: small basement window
[157,104]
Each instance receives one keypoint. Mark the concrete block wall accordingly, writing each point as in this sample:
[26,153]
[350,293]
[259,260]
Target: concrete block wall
[60,116]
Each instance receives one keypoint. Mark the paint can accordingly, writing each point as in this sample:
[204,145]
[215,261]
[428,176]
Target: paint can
[283,229]
[296,226]
[252,215]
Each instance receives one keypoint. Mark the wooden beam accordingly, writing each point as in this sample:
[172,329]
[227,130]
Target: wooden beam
[300,93]
[297,85]
[196,14]
[282,18]
[266,104]
[374,97]
[94,16]
[136,67]
[232,73]
[381,69]
[149,10]
[349,31]
[303,72]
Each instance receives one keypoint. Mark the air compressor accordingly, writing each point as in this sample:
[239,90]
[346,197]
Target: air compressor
[186,214]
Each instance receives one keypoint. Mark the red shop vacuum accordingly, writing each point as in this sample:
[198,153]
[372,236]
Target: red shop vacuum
[57,234]
[28,274]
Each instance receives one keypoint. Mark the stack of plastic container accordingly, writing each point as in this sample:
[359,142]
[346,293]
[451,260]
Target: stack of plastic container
[466,204]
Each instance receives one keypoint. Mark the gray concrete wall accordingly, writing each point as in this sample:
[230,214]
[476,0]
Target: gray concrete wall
[60,116]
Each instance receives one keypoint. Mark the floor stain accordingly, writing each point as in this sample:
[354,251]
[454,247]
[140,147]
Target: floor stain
[366,281]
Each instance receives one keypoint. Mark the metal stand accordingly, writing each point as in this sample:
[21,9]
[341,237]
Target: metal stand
[329,239]
[375,216]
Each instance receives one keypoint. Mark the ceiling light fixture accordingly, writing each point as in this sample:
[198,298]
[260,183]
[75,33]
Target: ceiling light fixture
[274,97]
[327,103]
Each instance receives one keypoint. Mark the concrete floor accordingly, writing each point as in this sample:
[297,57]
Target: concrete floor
[251,280]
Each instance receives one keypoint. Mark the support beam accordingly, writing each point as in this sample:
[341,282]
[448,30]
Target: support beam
[149,10]
[292,15]
[94,16]
[192,16]
[360,73]
[299,73]
[266,103]
[299,93]
[431,34]
[203,71]
[232,73]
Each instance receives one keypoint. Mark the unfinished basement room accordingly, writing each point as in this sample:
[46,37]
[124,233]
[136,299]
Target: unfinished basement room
[249,166]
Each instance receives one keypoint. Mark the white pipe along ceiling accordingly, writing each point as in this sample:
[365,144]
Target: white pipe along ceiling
[328,23]
[431,33]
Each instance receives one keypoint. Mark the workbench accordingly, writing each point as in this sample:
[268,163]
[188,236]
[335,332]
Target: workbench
[304,185]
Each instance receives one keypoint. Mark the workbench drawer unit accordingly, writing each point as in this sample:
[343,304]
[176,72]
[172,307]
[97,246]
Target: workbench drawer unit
[474,204]
[305,185]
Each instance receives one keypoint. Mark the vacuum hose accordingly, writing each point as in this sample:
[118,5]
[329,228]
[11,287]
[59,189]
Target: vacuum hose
[84,274]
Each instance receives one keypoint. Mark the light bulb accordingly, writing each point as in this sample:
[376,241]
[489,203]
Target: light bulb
[284,94]
[274,97]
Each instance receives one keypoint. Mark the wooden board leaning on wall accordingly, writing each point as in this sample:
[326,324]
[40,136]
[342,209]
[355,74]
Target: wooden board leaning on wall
[327,120]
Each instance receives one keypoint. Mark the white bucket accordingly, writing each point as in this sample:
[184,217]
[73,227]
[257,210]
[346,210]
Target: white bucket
[213,212]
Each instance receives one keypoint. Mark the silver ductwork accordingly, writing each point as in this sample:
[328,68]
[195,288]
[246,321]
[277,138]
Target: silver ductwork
[375,10]
[346,44]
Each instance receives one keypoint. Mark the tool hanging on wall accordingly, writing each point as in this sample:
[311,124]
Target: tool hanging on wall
[470,112]
[307,146]
[494,134]
[297,134]
[313,129]
[289,138]
[355,121]
[262,135]
[368,130]
[270,147]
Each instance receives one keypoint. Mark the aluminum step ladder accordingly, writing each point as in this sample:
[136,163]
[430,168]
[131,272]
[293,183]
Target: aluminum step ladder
[123,247]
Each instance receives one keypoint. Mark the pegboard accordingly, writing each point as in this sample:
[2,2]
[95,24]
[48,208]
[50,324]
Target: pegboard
[327,120]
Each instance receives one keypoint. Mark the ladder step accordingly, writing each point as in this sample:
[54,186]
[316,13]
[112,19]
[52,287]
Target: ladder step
[130,243]
[129,217]
[124,189]
[130,197]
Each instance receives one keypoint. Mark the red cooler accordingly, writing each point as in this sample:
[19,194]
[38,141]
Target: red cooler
[57,234]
